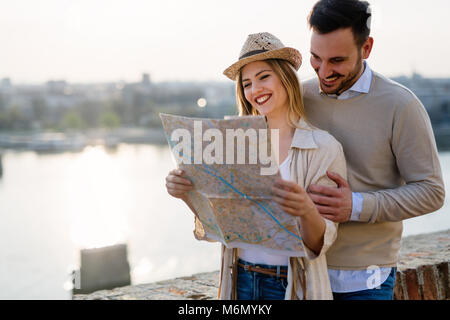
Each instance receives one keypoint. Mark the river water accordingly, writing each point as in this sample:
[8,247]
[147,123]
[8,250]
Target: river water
[52,205]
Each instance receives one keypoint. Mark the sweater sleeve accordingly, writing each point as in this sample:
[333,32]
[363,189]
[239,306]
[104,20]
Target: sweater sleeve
[415,151]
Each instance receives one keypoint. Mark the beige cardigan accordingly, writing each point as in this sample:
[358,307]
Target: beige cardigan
[312,153]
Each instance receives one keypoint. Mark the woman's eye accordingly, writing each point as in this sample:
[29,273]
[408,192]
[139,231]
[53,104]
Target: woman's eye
[246,85]
[265,76]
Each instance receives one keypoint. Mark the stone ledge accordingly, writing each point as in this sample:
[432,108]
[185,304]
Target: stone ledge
[201,286]
[423,273]
[423,269]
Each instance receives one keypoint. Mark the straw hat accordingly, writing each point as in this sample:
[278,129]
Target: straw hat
[262,46]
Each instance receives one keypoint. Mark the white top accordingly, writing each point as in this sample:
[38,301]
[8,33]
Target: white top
[258,256]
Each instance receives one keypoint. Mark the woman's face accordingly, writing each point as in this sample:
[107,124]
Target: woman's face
[263,88]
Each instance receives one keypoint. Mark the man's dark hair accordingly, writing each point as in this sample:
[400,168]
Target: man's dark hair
[329,15]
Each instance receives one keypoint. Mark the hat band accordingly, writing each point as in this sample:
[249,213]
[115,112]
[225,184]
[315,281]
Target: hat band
[252,53]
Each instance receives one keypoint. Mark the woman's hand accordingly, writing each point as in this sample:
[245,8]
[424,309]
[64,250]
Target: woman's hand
[293,199]
[177,184]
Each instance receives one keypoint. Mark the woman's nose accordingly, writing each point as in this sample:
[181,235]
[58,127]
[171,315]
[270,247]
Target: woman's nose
[256,88]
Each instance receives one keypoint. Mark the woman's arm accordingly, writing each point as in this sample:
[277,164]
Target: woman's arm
[294,200]
[318,232]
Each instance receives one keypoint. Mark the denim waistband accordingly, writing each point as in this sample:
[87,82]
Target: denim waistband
[261,265]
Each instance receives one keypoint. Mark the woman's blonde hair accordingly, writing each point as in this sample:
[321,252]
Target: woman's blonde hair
[291,83]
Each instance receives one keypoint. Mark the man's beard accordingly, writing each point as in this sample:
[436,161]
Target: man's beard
[348,81]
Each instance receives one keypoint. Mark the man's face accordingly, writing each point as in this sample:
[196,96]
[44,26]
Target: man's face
[337,60]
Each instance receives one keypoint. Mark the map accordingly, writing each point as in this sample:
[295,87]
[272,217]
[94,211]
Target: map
[233,198]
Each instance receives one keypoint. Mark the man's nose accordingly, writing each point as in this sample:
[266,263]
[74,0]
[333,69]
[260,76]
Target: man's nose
[325,70]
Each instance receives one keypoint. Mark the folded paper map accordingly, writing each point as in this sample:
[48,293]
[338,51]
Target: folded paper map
[232,168]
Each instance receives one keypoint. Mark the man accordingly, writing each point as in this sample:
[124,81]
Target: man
[393,167]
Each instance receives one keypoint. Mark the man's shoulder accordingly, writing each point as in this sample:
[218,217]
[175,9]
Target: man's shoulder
[386,86]
[310,86]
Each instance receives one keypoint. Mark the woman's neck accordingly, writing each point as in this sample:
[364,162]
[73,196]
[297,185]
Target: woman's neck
[279,121]
[285,134]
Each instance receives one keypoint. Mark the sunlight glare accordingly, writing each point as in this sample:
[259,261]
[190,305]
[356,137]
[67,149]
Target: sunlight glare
[97,217]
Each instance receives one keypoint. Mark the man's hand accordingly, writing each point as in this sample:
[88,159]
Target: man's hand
[335,204]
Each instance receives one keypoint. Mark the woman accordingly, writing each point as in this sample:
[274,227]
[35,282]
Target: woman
[267,84]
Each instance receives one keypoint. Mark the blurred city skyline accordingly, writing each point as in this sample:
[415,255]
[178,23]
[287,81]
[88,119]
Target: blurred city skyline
[116,40]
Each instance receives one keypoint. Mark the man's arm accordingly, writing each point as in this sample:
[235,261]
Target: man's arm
[416,156]
[413,200]
[398,204]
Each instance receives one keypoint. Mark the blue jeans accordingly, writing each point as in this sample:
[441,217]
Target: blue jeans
[259,286]
[385,292]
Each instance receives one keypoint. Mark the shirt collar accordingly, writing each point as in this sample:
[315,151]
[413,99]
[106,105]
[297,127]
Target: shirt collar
[303,138]
[362,85]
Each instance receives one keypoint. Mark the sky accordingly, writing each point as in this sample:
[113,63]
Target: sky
[85,41]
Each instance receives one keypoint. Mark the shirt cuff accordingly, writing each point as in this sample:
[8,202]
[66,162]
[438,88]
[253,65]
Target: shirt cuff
[357,205]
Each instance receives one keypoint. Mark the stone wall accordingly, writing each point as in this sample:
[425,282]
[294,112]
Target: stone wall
[423,270]
[423,273]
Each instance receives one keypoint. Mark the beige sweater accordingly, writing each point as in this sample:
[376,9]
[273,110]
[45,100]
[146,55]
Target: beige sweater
[391,159]
[312,153]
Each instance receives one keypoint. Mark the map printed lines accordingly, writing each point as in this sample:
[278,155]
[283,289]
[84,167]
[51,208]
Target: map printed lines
[250,198]
[210,171]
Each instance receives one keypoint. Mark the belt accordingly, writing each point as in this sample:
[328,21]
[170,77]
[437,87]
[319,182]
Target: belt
[271,272]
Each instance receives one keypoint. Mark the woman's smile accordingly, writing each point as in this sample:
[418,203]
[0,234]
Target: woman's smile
[262,99]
